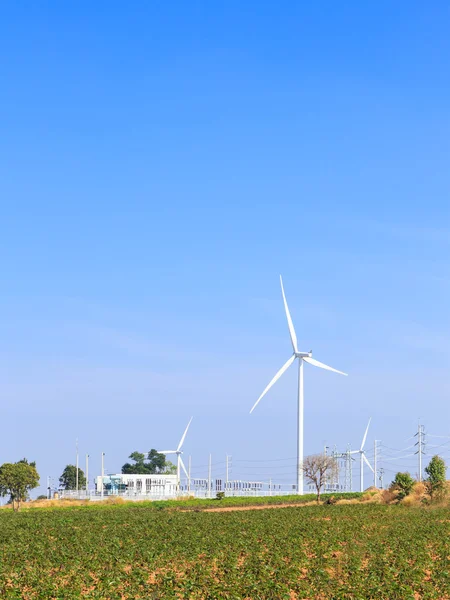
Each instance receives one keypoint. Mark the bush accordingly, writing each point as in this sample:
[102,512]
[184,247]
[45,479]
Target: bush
[403,485]
[220,495]
[42,497]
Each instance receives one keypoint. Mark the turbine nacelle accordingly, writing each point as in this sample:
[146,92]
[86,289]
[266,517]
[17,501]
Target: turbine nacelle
[303,354]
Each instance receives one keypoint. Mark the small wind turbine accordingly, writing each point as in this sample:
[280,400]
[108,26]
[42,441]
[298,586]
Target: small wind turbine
[363,458]
[178,452]
[303,357]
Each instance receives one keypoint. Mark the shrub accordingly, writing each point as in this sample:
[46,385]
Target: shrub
[220,495]
[403,485]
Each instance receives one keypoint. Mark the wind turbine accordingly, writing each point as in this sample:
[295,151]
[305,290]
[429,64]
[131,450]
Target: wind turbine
[178,452]
[363,458]
[302,357]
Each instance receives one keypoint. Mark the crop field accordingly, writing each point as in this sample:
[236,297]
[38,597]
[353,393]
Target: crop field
[358,551]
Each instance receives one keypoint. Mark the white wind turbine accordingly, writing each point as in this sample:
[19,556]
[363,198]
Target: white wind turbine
[363,458]
[178,452]
[302,357]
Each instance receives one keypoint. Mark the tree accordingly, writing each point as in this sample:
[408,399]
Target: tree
[317,468]
[155,463]
[17,479]
[68,479]
[436,471]
[170,468]
[403,484]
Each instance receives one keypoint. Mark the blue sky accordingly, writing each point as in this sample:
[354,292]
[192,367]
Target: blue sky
[160,165]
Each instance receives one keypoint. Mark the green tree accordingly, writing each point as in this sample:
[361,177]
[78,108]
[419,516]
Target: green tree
[435,482]
[154,463]
[170,468]
[68,479]
[17,479]
[403,484]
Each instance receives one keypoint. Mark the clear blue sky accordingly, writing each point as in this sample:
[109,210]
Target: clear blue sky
[161,164]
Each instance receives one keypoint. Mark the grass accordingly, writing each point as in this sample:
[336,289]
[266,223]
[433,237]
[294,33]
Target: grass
[189,503]
[358,551]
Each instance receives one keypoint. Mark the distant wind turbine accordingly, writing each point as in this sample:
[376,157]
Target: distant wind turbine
[302,357]
[363,458]
[178,452]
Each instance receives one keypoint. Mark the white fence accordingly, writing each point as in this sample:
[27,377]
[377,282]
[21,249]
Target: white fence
[94,495]
[200,488]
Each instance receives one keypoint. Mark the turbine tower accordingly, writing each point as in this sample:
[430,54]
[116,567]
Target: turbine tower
[178,452]
[302,357]
[363,458]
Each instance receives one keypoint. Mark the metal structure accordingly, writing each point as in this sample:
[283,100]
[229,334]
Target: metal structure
[76,467]
[420,447]
[302,357]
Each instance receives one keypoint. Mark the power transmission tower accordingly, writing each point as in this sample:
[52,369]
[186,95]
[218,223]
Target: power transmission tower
[348,483]
[420,446]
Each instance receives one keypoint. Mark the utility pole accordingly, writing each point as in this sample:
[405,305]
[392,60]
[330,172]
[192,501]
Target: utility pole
[103,472]
[375,463]
[87,474]
[381,477]
[189,474]
[270,486]
[209,477]
[76,475]
[226,477]
[229,466]
[325,448]
[420,446]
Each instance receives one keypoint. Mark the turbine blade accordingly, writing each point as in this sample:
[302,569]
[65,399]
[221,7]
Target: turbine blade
[289,320]
[183,467]
[316,363]
[354,452]
[184,435]
[367,462]
[365,435]
[286,366]
[166,451]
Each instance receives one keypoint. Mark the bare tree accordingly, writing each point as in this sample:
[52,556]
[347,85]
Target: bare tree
[317,468]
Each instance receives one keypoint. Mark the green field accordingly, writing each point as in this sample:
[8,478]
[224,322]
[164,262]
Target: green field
[356,551]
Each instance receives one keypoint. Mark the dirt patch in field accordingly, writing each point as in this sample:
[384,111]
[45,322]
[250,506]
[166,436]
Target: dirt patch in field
[256,507]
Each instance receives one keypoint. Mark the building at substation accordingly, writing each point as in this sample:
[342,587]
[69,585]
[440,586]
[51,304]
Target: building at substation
[137,485]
